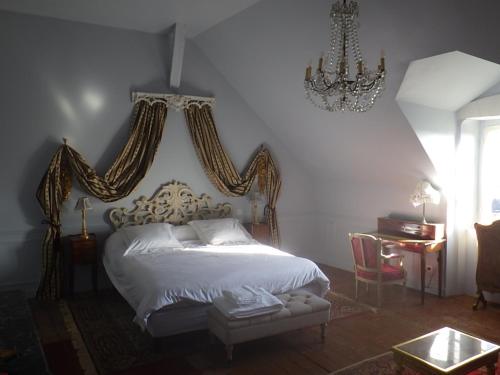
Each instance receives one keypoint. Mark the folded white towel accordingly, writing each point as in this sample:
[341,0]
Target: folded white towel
[268,304]
[243,295]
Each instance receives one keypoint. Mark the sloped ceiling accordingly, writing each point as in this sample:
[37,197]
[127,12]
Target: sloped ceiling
[264,50]
[152,16]
[447,81]
[432,92]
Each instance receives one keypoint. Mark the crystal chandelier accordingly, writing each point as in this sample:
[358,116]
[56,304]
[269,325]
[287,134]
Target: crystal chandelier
[331,88]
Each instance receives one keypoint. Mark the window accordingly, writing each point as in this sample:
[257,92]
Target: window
[489,182]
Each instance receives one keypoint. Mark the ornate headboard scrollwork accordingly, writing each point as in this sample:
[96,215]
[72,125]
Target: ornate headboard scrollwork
[173,203]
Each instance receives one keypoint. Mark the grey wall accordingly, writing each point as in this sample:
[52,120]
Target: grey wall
[65,79]
[341,170]
[364,165]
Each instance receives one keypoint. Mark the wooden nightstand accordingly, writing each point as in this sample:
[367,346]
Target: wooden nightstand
[82,252]
[259,231]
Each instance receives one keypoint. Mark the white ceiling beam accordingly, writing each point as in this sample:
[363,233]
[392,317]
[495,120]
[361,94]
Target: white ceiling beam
[179,39]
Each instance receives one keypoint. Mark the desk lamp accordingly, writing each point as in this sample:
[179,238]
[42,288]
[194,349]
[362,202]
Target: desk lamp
[424,193]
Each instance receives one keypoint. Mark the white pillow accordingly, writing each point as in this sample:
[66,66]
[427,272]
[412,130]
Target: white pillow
[141,238]
[221,231]
[185,233]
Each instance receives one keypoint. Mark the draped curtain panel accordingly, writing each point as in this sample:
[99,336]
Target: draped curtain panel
[221,171]
[120,180]
[132,164]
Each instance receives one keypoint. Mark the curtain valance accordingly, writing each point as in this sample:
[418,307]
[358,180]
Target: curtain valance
[176,102]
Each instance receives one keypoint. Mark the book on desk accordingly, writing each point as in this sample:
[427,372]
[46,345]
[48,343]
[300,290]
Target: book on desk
[410,229]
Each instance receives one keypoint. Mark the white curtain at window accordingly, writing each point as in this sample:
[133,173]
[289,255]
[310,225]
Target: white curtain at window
[489,174]
[466,203]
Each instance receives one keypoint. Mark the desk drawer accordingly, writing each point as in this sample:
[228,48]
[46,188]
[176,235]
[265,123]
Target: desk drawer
[412,229]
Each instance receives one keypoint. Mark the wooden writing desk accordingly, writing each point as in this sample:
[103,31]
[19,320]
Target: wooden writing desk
[416,238]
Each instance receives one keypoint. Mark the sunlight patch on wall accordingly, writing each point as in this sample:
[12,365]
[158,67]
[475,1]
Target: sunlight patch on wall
[93,100]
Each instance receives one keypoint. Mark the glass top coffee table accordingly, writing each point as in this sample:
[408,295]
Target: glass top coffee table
[446,351]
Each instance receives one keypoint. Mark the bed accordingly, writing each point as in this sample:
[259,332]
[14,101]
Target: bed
[170,287]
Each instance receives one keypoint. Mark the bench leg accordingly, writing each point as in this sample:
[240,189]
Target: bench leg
[323,331]
[229,353]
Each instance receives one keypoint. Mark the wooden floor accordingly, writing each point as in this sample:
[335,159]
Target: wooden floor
[348,341]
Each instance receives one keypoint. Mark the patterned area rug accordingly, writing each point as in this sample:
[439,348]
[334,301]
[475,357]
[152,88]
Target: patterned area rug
[346,307]
[108,342]
[384,365]
[20,351]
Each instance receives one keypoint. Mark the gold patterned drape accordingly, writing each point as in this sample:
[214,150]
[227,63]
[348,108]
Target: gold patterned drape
[120,180]
[221,171]
[132,164]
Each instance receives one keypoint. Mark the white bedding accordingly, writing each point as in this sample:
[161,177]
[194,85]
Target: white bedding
[164,276]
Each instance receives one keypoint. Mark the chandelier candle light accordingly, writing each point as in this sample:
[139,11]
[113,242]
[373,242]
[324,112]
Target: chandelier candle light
[331,87]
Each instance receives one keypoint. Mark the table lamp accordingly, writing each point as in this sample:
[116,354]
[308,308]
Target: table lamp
[83,204]
[424,193]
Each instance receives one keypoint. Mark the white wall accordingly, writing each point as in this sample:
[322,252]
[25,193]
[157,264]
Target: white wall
[66,79]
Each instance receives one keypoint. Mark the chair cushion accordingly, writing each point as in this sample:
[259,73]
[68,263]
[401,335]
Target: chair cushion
[368,252]
[389,273]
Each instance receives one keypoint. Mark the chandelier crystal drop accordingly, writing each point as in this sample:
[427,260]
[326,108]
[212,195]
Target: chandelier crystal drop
[331,87]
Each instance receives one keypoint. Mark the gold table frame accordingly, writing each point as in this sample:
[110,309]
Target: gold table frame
[405,359]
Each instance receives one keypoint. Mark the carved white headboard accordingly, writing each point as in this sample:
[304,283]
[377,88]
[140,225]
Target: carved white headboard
[173,203]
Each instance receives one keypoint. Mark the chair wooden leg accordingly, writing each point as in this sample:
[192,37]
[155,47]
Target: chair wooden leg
[379,295]
[323,331]
[480,299]
[356,292]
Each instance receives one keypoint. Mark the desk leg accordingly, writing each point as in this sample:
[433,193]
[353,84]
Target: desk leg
[422,277]
[440,273]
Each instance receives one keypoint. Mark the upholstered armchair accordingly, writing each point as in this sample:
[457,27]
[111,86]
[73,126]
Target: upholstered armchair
[372,266]
[488,260]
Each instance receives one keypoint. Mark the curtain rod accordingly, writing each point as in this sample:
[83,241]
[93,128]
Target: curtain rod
[175,101]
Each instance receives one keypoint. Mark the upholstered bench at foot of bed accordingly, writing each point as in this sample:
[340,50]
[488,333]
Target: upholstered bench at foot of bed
[301,309]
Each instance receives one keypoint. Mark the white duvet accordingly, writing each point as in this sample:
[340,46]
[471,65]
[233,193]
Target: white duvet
[153,279]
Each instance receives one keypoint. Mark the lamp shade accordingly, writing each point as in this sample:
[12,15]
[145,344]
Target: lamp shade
[83,203]
[425,193]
